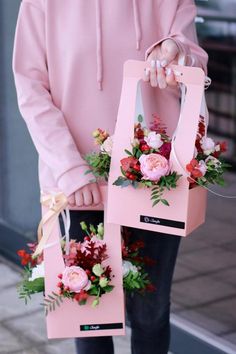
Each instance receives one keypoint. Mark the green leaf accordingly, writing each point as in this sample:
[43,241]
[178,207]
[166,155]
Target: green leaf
[128,152]
[156,202]
[140,118]
[165,202]
[119,181]
[108,288]
[36,286]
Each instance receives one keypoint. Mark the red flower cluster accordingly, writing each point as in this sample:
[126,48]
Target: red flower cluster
[193,168]
[130,165]
[201,133]
[130,250]
[26,258]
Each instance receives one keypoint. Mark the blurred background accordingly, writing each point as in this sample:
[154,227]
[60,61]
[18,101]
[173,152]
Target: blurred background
[204,288]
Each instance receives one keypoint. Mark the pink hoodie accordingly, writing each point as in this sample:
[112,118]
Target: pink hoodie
[67,62]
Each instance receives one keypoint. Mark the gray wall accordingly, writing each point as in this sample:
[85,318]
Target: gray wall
[19,190]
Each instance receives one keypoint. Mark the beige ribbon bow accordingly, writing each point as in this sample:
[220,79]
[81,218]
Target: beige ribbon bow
[56,203]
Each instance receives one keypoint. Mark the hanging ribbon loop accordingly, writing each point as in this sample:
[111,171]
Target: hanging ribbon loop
[56,202]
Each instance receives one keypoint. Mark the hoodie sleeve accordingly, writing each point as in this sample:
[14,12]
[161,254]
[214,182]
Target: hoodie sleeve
[183,32]
[45,121]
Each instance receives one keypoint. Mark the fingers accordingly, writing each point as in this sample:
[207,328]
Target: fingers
[153,74]
[96,194]
[161,77]
[79,199]
[71,199]
[170,77]
[88,195]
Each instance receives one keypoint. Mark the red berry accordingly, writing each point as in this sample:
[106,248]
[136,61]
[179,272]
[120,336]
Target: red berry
[132,177]
[92,278]
[136,167]
[77,297]
[144,147]
[67,288]
[60,284]
[87,271]
[87,238]
[60,276]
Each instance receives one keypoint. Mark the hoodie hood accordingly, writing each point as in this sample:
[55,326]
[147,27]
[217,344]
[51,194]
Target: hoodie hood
[99,53]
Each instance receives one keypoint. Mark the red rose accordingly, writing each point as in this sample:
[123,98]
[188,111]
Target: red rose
[128,162]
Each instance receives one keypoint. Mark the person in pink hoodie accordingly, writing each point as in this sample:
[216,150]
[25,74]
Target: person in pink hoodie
[67,62]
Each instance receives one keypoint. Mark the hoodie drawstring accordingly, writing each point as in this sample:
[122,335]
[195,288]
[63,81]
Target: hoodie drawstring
[137,24]
[99,45]
[138,36]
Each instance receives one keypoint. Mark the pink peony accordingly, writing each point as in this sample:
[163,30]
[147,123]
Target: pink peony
[154,166]
[75,278]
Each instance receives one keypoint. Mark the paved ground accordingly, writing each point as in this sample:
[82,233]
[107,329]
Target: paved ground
[204,288]
[22,328]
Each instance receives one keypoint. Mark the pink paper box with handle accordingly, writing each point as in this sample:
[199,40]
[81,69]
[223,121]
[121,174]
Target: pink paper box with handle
[72,319]
[132,207]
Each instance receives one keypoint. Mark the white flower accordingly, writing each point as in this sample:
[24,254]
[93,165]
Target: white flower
[135,142]
[107,145]
[154,140]
[213,161]
[202,167]
[207,145]
[37,272]
[127,267]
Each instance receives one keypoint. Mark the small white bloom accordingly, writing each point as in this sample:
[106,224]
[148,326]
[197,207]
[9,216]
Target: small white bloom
[217,147]
[154,140]
[207,145]
[202,167]
[135,142]
[213,161]
[107,145]
[127,267]
[37,272]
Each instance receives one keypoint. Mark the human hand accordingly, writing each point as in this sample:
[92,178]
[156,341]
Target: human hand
[88,195]
[160,74]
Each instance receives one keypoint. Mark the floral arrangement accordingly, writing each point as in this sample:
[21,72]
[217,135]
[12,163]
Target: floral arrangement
[135,276]
[86,272]
[207,166]
[147,163]
[100,162]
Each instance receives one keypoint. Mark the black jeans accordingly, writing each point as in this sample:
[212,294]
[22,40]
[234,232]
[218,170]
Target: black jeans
[149,315]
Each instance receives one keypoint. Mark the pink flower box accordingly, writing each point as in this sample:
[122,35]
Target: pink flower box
[132,207]
[71,319]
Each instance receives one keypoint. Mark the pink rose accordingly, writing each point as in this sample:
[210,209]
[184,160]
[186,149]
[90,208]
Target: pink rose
[75,278]
[154,166]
